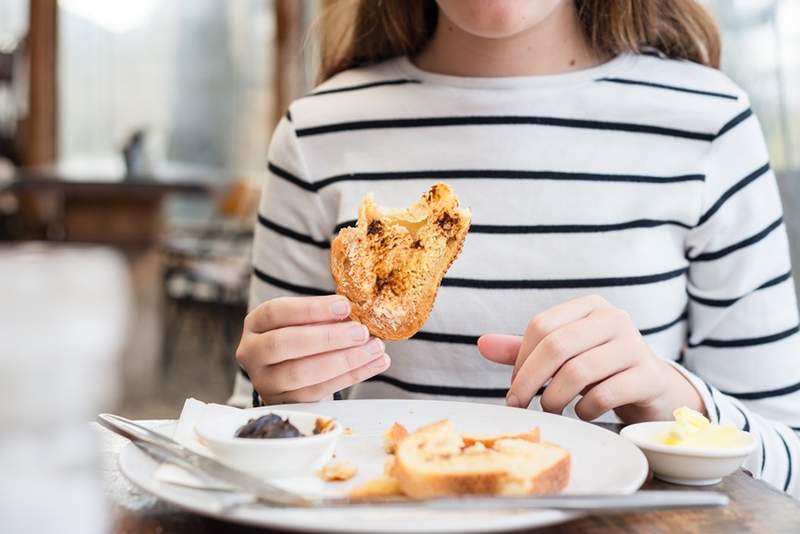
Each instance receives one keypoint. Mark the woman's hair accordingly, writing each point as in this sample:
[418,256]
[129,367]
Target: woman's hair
[360,32]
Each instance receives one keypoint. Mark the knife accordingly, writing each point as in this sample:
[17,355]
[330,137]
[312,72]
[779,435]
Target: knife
[260,492]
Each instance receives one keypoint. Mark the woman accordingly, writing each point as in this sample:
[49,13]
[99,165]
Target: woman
[625,219]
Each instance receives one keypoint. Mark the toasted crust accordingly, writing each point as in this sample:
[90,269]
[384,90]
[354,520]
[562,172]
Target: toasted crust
[555,478]
[391,263]
[434,462]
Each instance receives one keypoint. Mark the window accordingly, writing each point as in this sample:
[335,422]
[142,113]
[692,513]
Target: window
[13,26]
[761,52]
[194,74]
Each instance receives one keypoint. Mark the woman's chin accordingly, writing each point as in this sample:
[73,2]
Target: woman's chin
[496,19]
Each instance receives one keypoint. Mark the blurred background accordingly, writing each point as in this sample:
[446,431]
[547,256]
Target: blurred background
[143,126]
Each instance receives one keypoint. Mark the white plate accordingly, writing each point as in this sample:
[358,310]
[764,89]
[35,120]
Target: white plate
[602,462]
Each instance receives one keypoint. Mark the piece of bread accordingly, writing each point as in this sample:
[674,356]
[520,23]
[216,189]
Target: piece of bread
[393,436]
[488,441]
[377,488]
[396,432]
[434,462]
[391,263]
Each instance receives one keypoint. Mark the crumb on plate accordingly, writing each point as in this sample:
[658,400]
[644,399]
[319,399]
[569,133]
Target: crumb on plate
[338,471]
[323,425]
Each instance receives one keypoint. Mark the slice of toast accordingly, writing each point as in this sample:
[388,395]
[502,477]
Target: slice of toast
[391,263]
[435,462]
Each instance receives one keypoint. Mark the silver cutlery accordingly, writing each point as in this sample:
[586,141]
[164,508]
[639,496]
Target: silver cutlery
[166,449]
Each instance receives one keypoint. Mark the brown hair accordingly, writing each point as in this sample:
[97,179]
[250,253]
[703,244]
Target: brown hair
[360,32]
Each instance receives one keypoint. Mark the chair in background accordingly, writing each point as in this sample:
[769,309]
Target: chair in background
[206,280]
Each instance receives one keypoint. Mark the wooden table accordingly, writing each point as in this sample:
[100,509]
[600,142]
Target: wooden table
[99,205]
[754,507]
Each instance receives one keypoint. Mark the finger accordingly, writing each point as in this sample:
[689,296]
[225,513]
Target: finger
[292,342]
[499,348]
[551,320]
[296,374]
[295,311]
[578,373]
[326,389]
[558,347]
[623,388]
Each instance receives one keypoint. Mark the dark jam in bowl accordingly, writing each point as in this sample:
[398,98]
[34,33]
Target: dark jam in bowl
[268,426]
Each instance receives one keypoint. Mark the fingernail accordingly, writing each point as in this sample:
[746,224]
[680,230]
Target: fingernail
[341,307]
[512,400]
[359,332]
[380,363]
[374,347]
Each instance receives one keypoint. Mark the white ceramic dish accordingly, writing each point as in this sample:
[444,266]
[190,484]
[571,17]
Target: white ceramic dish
[691,466]
[270,458]
[602,462]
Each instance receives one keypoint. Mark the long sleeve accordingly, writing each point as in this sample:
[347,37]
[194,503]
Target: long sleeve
[291,245]
[743,352]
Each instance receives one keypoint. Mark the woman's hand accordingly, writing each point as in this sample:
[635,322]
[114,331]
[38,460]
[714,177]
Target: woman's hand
[304,349]
[588,347]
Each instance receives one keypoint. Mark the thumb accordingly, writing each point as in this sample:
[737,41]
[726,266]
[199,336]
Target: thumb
[500,348]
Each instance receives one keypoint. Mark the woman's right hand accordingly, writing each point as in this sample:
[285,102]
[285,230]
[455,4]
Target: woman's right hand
[303,349]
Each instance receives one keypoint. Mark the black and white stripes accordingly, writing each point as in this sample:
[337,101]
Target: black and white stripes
[735,188]
[724,303]
[746,242]
[513,120]
[645,180]
[668,87]
[476,174]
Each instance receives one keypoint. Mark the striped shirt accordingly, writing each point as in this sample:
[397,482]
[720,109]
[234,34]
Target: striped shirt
[644,180]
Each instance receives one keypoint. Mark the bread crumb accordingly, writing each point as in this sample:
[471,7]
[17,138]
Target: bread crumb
[349,431]
[322,425]
[338,471]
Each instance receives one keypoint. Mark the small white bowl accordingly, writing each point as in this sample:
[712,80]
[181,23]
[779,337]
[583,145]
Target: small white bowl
[692,466]
[269,458]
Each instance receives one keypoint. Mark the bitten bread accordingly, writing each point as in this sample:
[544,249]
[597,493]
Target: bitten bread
[434,461]
[391,263]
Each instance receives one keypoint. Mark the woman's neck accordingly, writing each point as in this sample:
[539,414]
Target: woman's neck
[555,45]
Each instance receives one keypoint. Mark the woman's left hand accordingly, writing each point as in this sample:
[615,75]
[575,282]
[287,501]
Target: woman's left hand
[588,347]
